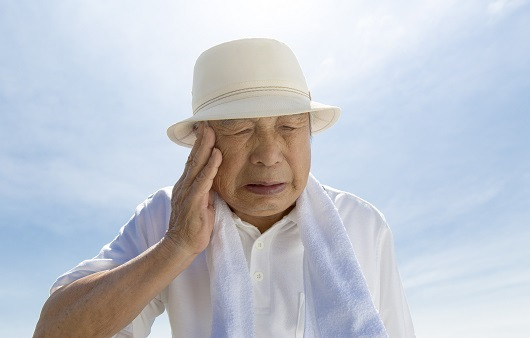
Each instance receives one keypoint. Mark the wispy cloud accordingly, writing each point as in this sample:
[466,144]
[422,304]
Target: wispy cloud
[497,8]
[433,129]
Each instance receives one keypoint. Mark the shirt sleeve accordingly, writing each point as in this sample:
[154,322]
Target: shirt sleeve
[393,307]
[374,248]
[145,228]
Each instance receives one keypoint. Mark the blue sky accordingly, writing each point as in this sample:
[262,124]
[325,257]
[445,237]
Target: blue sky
[433,132]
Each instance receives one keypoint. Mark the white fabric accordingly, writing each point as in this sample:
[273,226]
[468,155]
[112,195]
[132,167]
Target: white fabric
[337,297]
[249,78]
[338,303]
[230,285]
[275,262]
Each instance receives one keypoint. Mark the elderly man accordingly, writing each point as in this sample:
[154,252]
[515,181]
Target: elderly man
[247,243]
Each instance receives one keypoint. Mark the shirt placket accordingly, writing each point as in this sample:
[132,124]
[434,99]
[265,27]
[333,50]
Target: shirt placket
[260,272]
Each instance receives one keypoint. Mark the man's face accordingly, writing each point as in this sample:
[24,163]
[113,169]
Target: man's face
[265,165]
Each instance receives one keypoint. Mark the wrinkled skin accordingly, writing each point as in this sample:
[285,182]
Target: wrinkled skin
[265,166]
[261,167]
[192,213]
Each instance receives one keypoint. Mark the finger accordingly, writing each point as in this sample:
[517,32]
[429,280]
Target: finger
[211,199]
[195,147]
[202,155]
[204,180]
[198,131]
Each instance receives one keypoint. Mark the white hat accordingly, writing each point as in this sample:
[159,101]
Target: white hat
[249,78]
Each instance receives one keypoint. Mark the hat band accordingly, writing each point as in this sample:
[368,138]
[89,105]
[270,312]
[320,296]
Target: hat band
[250,90]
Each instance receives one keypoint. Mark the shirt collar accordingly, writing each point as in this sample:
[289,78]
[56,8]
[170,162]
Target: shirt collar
[287,219]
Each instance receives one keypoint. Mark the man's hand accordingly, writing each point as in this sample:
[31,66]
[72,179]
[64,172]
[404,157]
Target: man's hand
[192,213]
[100,304]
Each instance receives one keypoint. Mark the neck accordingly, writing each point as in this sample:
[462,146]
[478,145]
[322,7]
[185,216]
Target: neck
[263,223]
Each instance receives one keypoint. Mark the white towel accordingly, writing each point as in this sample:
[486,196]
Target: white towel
[338,303]
[230,286]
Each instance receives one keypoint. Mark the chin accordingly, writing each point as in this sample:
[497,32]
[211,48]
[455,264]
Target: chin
[270,209]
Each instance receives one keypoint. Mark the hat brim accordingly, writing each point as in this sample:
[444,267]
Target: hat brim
[323,116]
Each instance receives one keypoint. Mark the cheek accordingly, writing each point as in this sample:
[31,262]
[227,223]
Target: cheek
[221,180]
[225,180]
[300,160]
[303,166]
[301,150]
[217,182]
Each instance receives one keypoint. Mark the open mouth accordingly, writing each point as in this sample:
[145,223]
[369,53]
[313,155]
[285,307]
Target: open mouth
[266,188]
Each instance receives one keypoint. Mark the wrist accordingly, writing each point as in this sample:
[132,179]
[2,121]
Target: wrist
[173,247]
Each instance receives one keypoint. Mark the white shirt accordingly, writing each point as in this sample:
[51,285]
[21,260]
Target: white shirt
[275,264]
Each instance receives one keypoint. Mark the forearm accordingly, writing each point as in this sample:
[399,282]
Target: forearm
[101,304]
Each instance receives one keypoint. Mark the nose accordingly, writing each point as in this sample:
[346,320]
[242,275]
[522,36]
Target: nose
[267,150]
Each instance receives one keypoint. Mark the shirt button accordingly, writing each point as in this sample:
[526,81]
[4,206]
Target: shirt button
[259,245]
[258,276]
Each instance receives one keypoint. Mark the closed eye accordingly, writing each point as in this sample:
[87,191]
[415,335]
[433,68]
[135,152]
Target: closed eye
[287,128]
